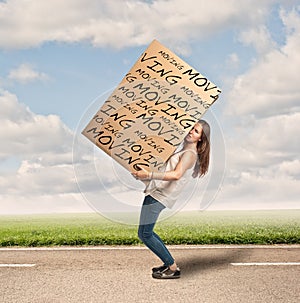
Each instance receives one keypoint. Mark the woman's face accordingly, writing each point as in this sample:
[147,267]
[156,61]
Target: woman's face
[194,134]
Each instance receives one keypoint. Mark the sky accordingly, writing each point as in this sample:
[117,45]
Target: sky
[60,59]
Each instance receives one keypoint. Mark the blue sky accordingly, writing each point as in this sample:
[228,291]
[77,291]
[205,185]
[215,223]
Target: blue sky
[57,58]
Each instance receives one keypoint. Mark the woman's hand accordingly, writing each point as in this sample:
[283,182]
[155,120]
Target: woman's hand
[141,174]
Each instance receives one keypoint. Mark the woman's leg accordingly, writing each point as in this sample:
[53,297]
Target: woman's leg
[149,214]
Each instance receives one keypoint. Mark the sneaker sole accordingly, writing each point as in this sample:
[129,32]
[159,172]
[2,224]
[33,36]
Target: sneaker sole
[162,277]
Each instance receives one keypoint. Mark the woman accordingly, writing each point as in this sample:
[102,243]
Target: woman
[164,188]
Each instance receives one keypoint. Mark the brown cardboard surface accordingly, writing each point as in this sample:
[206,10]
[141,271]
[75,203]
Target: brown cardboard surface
[148,115]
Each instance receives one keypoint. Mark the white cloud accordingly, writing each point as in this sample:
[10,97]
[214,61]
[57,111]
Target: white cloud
[27,135]
[122,23]
[44,146]
[259,37]
[259,192]
[262,150]
[24,133]
[25,73]
[233,61]
[291,19]
[271,86]
[39,204]
[263,169]
[266,142]
[277,134]
[46,181]
[34,179]
[264,110]
[290,168]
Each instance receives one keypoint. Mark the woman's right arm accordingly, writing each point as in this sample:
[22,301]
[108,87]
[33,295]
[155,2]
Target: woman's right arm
[187,160]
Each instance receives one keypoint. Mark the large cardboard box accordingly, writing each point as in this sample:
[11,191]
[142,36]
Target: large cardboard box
[150,112]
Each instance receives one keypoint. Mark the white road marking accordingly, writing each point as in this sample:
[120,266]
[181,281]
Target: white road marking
[267,264]
[17,265]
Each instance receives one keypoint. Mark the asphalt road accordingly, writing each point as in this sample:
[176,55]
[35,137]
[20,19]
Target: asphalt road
[209,274]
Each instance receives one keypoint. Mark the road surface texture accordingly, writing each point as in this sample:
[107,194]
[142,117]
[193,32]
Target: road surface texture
[123,274]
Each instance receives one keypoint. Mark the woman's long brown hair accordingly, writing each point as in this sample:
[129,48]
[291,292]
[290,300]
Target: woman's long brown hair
[203,150]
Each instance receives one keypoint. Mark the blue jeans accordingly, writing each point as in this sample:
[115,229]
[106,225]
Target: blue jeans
[149,214]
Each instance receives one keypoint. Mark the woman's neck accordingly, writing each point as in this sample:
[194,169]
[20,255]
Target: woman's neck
[187,145]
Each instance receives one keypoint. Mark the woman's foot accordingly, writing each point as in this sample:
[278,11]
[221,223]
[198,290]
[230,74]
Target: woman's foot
[167,273]
[159,268]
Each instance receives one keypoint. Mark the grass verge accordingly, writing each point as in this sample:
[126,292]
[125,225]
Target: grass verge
[209,227]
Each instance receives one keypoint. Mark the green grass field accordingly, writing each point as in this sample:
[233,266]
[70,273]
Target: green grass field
[209,227]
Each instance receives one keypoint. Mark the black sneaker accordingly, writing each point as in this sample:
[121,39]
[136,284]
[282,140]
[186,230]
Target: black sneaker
[159,268]
[167,274]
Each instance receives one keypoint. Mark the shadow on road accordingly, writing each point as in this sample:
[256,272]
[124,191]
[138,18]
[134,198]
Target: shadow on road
[199,263]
